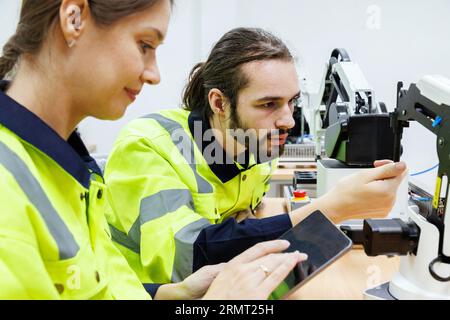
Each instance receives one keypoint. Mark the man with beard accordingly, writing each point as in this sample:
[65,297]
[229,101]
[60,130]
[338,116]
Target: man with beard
[179,180]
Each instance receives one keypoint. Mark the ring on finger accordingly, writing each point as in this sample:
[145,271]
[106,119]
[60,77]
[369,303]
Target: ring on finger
[264,269]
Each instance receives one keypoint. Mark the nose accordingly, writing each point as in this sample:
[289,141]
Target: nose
[151,74]
[285,119]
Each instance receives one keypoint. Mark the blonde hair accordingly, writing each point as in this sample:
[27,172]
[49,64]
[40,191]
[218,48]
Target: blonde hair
[38,16]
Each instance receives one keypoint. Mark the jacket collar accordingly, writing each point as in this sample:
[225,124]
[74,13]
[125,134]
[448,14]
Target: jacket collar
[227,170]
[71,155]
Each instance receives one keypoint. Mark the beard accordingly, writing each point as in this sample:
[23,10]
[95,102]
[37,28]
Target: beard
[257,142]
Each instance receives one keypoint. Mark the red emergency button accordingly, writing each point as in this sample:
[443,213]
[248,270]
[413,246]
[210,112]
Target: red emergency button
[300,193]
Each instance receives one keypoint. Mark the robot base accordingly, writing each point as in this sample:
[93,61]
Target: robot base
[379,293]
[413,281]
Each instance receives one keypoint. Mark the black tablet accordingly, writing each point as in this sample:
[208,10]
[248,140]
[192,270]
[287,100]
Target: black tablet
[322,241]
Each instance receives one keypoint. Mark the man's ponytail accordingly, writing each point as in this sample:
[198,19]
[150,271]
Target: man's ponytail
[223,68]
[194,92]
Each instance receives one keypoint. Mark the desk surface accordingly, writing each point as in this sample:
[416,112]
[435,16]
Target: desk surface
[348,277]
[285,170]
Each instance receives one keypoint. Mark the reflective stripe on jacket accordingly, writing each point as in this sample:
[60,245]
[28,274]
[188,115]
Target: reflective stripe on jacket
[54,239]
[166,201]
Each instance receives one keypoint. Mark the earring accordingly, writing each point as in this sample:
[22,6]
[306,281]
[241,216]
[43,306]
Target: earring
[71,43]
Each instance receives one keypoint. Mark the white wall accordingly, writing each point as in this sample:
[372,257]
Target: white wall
[391,40]
[9,15]
[175,59]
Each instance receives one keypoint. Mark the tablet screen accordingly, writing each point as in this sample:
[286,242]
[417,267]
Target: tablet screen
[321,240]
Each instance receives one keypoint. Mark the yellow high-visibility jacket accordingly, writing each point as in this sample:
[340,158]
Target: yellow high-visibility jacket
[54,239]
[171,207]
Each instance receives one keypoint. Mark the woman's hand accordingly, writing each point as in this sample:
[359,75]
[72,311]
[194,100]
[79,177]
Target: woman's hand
[193,287]
[196,285]
[243,215]
[256,273]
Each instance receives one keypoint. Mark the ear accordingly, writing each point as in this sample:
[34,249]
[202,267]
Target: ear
[217,102]
[73,15]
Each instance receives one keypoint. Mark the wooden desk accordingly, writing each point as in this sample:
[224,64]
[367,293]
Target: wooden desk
[284,175]
[348,277]
[285,171]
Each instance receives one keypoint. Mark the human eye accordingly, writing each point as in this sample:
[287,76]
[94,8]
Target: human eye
[295,102]
[145,47]
[268,105]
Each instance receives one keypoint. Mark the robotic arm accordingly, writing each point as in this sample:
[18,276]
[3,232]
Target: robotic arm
[345,81]
[356,126]
[423,239]
[428,103]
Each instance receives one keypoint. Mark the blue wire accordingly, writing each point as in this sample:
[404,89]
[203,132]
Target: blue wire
[422,172]
[422,199]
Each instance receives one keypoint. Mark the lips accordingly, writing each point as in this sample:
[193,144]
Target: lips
[279,140]
[132,94]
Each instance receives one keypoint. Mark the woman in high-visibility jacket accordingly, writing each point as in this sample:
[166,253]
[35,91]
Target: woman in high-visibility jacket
[178,178]
[70,59]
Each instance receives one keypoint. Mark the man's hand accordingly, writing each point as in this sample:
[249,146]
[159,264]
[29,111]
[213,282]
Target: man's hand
[366,194]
